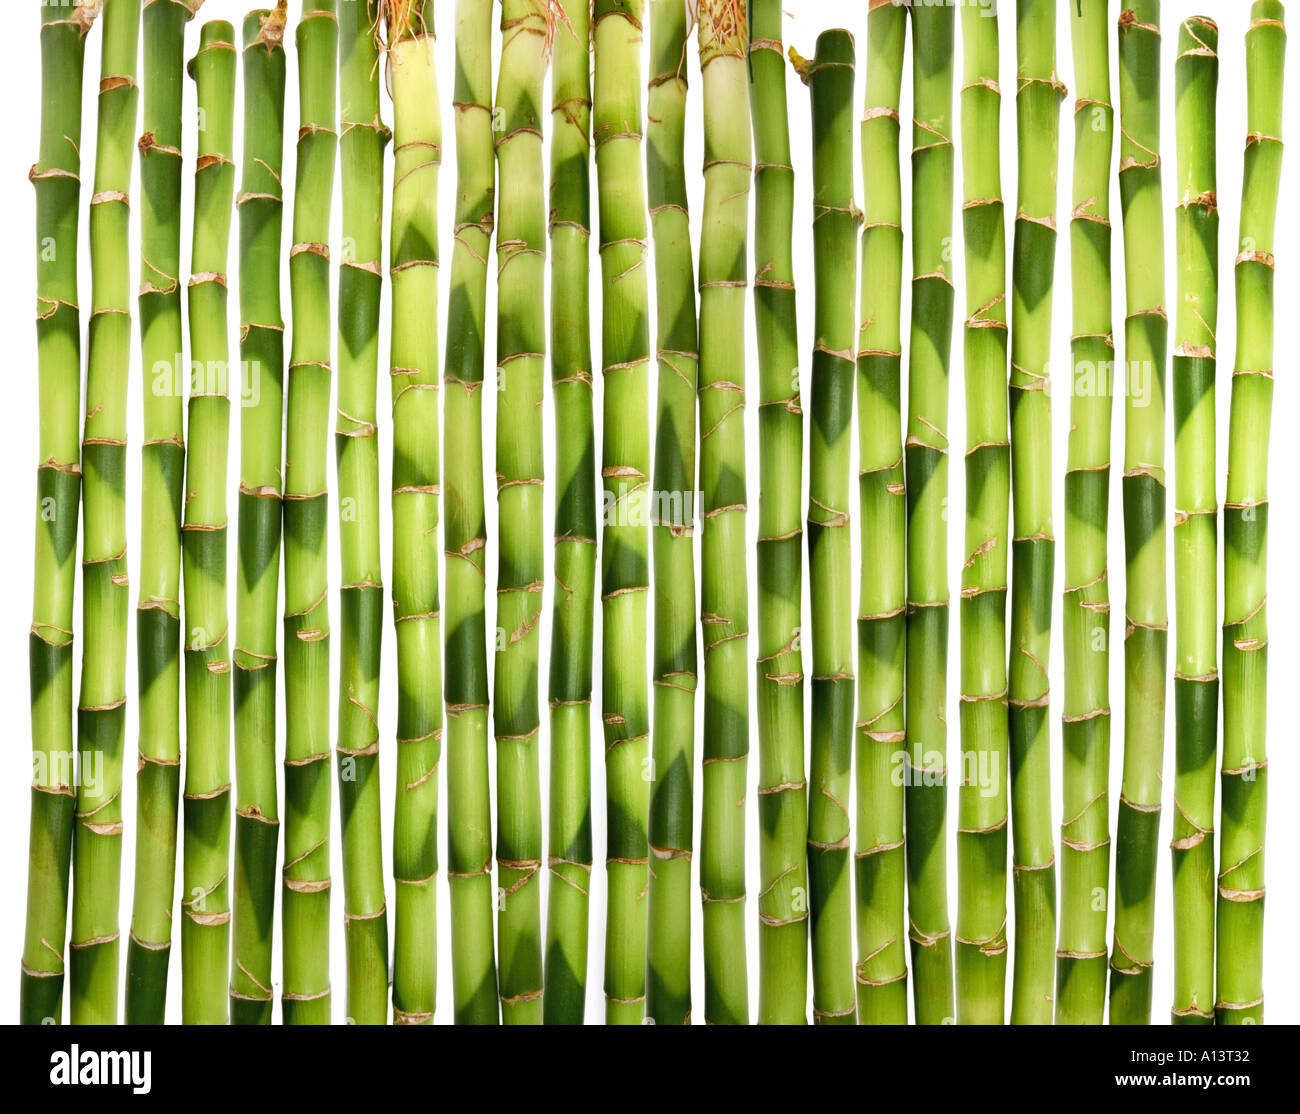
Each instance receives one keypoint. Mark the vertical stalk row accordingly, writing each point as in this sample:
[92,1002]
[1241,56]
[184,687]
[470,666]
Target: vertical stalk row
[1240,952]
[1146,623]
[982,799]
[879,864]
[672,819]
[782,776]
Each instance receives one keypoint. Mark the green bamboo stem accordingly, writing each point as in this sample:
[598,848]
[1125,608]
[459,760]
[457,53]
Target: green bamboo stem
[1038,103]
[1196,524]
[668,957]
[1146,623]
[782,776]
[982,797]
[205,892]
[417,147]
[569,852]
[1240,946]
[625,470]
[926,463]
[56,179]
[879,867]
[829,77]
[261,416]
[158,616]
[521,363]
[305,885]
[724,599]
[1085,620]
[363,137]
[469,809]
[97,840]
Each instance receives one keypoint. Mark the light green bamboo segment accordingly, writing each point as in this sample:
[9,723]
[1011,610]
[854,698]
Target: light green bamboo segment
[878,858]
[1240,946]
[569,830]
[1196,524]
[829,77]
[672,516]
[982,798]
[97,839]
[1146,620]
[205,891]
[1085,618]
[56,179]
[782,776]
[625,471]
[260,204]
[417,147]
[521,572]
[1038,102]
[926,463]
[158,612]
[305,876]
[362,138]
[469,807]
[724,599]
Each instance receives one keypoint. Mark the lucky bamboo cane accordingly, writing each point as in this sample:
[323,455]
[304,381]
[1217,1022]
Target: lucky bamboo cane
[362,138]
[982,798]
[724,278]
[671,829]
[1085,619]
[469,809]
[1196,522]
[97,839]
[521,363]
[1038,102]
[625,453]
[261,418]
[1146,622]
[926,452]
[417,147]
[1240,945]
[879,867]
[305,888]
[569,830]
[205,893]
[782,776]
[829,77]
[57,181]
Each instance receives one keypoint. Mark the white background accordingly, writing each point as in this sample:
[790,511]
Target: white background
[20,66]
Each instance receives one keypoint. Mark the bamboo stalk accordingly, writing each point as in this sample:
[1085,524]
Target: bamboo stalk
[671,834]
[1085,726]
[724,599]
[521,362]
[926,463]
[305,890]
[1196,522]
[879,866]
[363,137]
[1146,623]
[205,893]
[569,850]
[417,147]
[469,809]
[782,776]
[1240,946]
[56,179]
[982,798]
[625,468]
[261,416]
[97,839]
[829,77]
